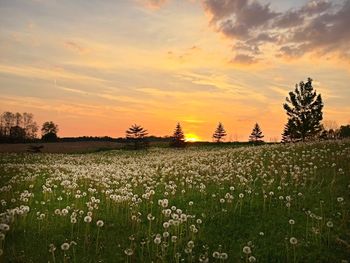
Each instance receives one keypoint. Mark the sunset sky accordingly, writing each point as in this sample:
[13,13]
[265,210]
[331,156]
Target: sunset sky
[95,67]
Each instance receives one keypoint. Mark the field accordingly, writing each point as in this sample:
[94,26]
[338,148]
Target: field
[271,203]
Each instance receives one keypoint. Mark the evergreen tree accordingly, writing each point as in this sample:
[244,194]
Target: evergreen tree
[219,133]
[136,135]
[304,110]
[178,138]
[256,135]
[289,132]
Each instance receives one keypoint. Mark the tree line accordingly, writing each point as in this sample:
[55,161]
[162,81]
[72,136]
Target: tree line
[303,107]
[21,127]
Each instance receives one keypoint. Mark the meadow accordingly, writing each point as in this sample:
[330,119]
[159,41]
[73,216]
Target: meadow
[269,203]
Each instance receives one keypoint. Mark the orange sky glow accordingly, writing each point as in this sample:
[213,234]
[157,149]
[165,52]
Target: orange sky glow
[97,67]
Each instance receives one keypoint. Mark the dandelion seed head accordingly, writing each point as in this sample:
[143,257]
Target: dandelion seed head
[293,240]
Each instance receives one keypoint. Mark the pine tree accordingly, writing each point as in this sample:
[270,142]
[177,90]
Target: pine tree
[304,110]
[289,132]
[178,138]
[136,135]
[256,135]
[219,133]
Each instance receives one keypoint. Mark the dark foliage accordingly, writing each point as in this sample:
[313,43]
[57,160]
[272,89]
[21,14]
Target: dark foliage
[256,136]
[135,136]
[344,131]
[178,138]
[17,127]
[304,111]
[219,133]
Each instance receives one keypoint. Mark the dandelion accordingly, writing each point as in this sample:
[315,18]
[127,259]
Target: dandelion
[157,240]
[291,222]
[87,219]
[128,252]
[1,252]
[252,259]
[340,199]
[65,246]
[293,240]
[173,239]
[247,250]
[223,256]
[216,254]
[329,224]
[4,227]
[73,220]
[99,223]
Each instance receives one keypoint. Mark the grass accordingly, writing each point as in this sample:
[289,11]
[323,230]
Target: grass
[271,203]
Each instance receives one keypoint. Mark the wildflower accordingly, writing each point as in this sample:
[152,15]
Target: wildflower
[65,246]
[329,224]
[1,252]
[223,256]
[340,199]
[291,222]
[241,195]
[150,217]
[4,227]
[247,250]
[190,244]
[87,219]
[52,248]
[251,259]
[73,220]
[157,240]
[216,254]
[173,239]
[128,251]
[99,223]
[293,240]
[2,236]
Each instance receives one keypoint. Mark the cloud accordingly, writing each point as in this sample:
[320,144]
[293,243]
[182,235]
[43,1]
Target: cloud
[154,4]
[75,47]
[244,59]
[319,26]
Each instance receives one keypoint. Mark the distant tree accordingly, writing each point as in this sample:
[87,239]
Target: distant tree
[49,131]
[219,133]
[304,111]
[344,131]
[17,134]
[30,126]
[178,138]
[8,121]
[136,135]
[256,135]
[17,127]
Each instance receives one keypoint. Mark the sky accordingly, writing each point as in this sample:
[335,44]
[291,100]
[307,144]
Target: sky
[95,67]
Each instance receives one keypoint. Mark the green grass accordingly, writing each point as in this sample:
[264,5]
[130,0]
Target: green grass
[232,198]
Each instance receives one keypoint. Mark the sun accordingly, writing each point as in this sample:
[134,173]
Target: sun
[191,137]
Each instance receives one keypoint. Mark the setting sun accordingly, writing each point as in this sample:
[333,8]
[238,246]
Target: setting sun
[191,138]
